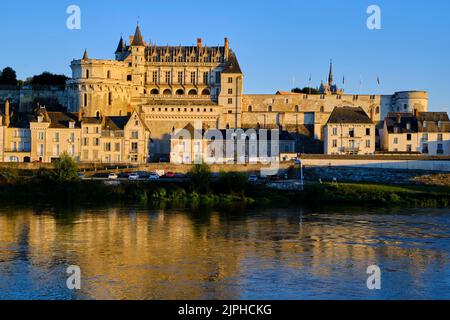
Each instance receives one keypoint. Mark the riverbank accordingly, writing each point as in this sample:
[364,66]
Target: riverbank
[223,194]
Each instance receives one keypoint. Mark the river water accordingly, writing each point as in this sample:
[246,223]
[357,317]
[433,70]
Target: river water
[138,253]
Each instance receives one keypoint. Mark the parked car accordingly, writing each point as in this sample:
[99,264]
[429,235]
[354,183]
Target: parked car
[113,176]
[81,175]
[252,178]
[133,176]
[170,175]
[153,176]
[143,174]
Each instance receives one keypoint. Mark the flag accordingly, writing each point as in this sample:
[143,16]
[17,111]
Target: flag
[378,80]
[310,77]
[343,79]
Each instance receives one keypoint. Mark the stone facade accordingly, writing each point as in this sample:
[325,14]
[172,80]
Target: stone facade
[173,86]
[427,133]
[212,146]
[349,131]
[47,135]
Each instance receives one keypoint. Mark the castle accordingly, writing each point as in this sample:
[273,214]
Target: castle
[172,86]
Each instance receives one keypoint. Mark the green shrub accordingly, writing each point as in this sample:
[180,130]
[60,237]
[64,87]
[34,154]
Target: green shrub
[66,169]
[200,178]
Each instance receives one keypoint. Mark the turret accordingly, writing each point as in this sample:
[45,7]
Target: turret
[85,55]
[138,41]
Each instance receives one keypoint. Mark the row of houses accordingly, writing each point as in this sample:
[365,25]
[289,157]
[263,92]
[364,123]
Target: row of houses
[349,130]
[44,136]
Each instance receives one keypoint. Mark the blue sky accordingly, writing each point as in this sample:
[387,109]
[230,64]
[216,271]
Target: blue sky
[276,41]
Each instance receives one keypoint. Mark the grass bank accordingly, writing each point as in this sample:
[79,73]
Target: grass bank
[222,196]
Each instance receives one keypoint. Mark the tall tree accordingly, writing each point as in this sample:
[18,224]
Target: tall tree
[8,76]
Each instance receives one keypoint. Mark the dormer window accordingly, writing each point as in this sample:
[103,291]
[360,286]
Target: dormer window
[408,126]
[71,124]
[424,124]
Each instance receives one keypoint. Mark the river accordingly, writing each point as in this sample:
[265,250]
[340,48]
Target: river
[138,253]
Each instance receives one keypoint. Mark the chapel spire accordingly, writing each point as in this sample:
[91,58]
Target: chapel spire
[330,75]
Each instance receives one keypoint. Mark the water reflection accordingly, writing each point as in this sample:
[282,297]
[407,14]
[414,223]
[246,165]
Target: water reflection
[277,254]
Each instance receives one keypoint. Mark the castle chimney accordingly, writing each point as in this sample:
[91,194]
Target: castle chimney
[7,116]
[227,49]
[199,43]
[399,118]
[80,115]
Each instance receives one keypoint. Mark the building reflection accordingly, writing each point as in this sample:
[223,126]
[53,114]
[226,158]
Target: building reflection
[142,254]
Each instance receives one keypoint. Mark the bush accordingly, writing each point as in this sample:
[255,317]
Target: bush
[66,170]
[10,174]
[200,177]
[233,183]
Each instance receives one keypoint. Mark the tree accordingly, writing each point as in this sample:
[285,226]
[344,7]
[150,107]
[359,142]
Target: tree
[66,169]
[200,176]
[305,90]
[8,76]
[49,79]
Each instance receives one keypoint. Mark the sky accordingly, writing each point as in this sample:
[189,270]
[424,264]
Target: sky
[279,43]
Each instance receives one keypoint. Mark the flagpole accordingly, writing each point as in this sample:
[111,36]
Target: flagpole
[309,84]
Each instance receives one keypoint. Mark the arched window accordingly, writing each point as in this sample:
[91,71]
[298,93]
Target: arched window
[322,109]
[206,92]
[129,78]
[297,109]
[258,126]
[377,110]
[228,126]
[85,102]
[108,74]
[192,92]
[97,114]
[180,92]
[167,92]
[154,91]
[269,109]
[87,74]
[250,109]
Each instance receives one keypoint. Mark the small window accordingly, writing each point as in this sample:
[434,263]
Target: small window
[249,108]
[230,80]
[129,77]
[367,131]
[351,132]
[230,100]
[270,109]
[334,131]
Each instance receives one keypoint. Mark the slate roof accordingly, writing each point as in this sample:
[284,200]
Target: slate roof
[62,119]
[349,115]
[232,64]
[433,122]
[398,122]
[137,39]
